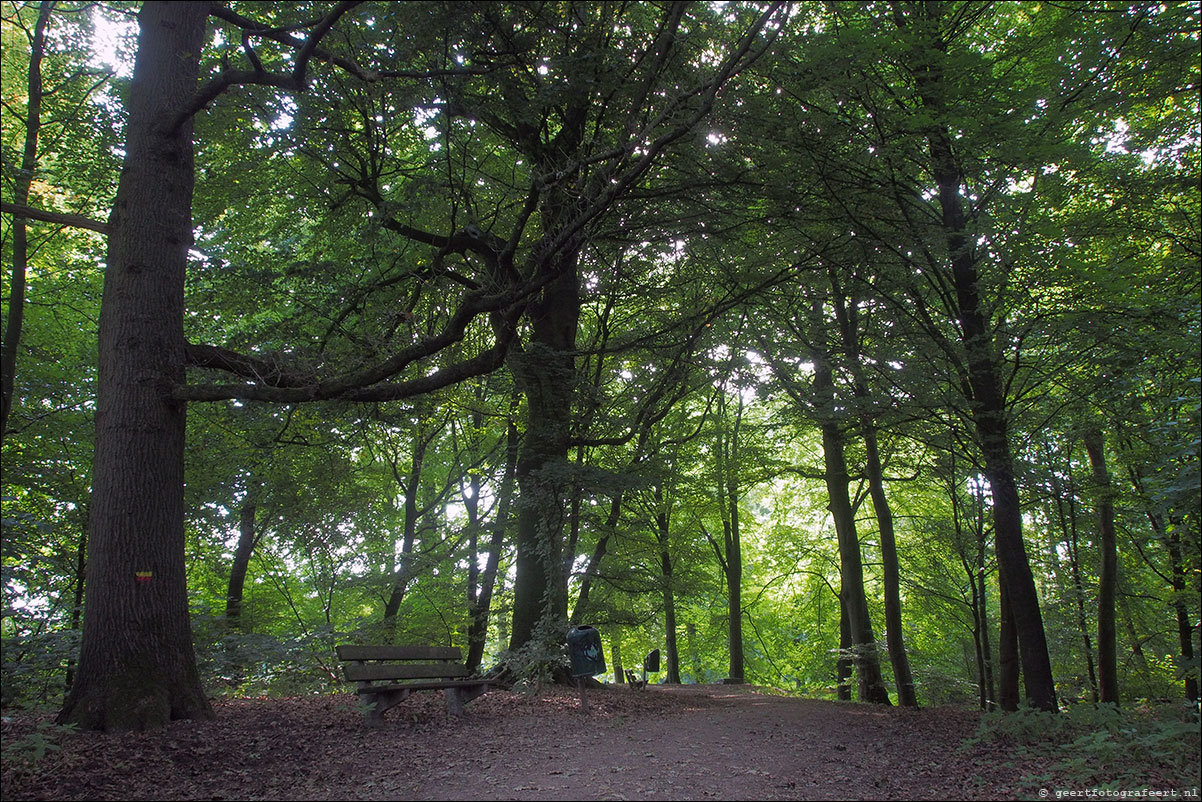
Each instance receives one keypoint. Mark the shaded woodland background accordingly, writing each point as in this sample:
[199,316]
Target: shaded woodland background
[846,349]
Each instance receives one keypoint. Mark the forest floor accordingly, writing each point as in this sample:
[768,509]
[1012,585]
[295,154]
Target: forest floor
[685,742]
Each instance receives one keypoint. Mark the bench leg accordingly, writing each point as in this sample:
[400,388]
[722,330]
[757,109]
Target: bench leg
[454,701]
[468,694]
[373,716]
[377,703]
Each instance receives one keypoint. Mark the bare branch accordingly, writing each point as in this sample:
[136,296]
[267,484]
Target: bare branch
[58,218]
[292,82]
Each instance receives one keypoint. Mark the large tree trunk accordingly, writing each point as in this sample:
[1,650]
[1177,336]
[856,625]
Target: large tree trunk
[1108,581]
[546,372]
[137,666]
[992,426]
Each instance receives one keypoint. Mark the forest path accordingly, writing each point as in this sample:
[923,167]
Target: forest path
[689,742]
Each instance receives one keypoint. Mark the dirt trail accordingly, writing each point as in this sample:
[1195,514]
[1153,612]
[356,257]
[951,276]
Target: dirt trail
[691,742]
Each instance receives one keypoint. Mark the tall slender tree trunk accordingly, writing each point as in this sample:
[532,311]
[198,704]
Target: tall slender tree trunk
[81,574]
[987,402]
[975,570]
[730,551]
[986,648]
[410,485]
[662,532]
[734,596]
[1171,538]
[1108,581]
[847,316]
[247,539]
[1074,551]
[866,657]
[1065,501]
[977,632]
[902,675]
[581,609]
[690,634]
[20,238]
[137,667]
[1185,628]
[479,607]
[990,418]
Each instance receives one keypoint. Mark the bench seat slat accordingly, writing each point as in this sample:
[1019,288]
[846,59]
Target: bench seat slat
[424,686]
[354,652]
[363,672]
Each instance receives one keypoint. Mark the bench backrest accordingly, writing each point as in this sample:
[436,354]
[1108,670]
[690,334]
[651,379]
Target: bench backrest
[371,663]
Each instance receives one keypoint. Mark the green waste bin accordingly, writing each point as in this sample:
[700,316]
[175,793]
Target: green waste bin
[584,649]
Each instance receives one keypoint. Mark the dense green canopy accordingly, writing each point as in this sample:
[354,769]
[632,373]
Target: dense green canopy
[819,345]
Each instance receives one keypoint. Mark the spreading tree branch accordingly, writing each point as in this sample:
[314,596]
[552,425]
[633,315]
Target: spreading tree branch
[58,218]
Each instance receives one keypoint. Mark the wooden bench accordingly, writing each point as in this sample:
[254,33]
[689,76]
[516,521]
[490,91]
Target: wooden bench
[388,674]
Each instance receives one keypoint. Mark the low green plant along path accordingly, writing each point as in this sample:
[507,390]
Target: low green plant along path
[685,742]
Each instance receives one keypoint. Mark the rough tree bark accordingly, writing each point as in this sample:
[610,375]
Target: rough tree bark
[137,668]
[546,372]
[1007,649]
[844,670]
